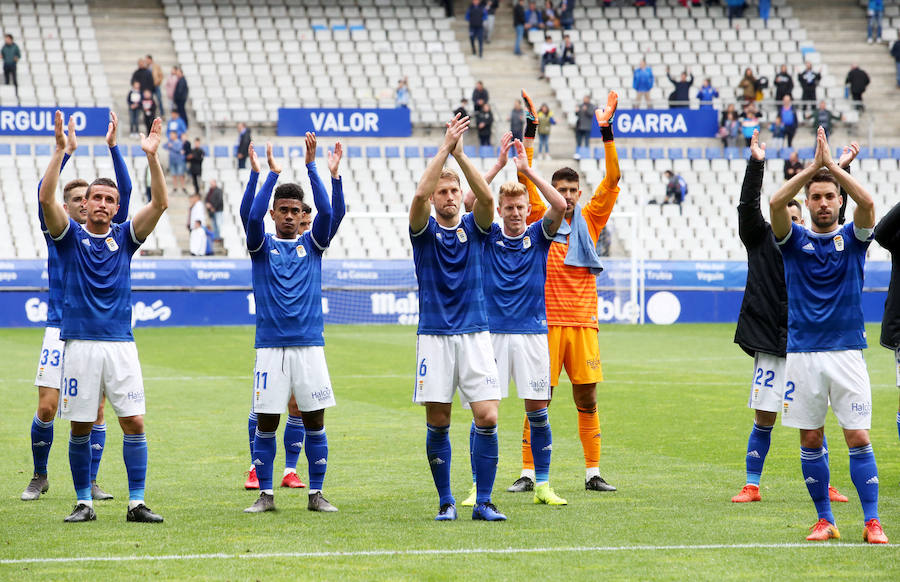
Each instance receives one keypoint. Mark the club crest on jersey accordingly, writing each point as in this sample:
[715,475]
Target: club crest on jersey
[301,251]
[526,242]
[461,235]
[838,243]
[111,244]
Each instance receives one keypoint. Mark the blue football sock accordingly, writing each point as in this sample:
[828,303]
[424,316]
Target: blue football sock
[898,424]
[471,449]
[41,440]
[134,451]
[825,448]
[80,464]
[317,457]
[541,444]
[98,443]
[264,446]
[757,449]
[816,475]
[294,431]
[251,430]
[437,447]
[864,474]
[486,456]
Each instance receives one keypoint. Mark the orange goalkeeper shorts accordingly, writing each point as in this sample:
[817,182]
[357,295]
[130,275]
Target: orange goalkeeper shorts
[576,348]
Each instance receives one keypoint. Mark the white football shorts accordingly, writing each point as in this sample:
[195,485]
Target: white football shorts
[50,363]
[896,360]
[445,362]
[298,370]
[811,378]
[767,388]
[94,368]
[524,358]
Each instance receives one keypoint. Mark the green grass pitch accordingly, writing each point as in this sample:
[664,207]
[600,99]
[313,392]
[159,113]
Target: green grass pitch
[675,425]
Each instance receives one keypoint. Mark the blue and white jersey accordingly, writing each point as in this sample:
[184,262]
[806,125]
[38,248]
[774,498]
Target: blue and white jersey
[515,270]
[824,276]
[287,286]
[449,270]
[97,284]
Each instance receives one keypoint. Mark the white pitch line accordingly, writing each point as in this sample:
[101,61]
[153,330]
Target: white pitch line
[376,553]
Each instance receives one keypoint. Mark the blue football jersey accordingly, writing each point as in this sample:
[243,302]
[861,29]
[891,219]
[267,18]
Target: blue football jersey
[97,285]
[515,269]
[824,276]
[448,268]
[287,287]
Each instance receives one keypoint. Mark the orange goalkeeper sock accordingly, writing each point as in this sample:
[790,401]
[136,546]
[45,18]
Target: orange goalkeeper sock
[589,432]
[527,458]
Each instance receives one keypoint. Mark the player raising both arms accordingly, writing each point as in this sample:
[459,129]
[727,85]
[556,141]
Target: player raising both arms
[762,326]
[823,270]
[49,374]
[287,286]
[101,356]
[454,347]
[571,294]
[887,233]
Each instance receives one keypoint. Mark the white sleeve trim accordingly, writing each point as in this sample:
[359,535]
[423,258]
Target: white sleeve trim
[315,242]
[547,235]
[424,228]
[786,238]
[62,234]
[862,234]
[134,236]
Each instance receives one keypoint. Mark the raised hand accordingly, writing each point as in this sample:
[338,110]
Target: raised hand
[822,141]
[757,150]
[58,131]
[605,115]
[819,159]
[112,130]
[849,154]
[150,143]
[334,159]
[71,138]
[310,147]
[274,166]
[505,142]
[455,129]
[254,159]
[521,160]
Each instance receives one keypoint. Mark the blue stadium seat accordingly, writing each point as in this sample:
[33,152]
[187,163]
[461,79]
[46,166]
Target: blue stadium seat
[339,27]
[354,152]
[392,152]
[220,151]
[471,151]
[82,150]
[895,153]
[639,153]
[881,153]
[320,151]
[806,153]
[675,154]
[732,153]
[487,151]
[319,27]
[6,149]
[373,152]
[278,151]
[429,152]
[261,150]
[599,153]
[784,153]
[101,150]
[357,27]
[656,154]
[43,149]
[411,152]
[745,153]
[135,151]
[583,152]
[23,149]
[295,152]
[694,153]
[837,151]
[863,154]
[713,153]
[622,153]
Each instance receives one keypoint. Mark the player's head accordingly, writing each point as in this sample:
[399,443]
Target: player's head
[305,218]
[566,181]
[823,199]
[447,196]
[73,200]
[513,207]
[796,211]
[102,202]
[287,209]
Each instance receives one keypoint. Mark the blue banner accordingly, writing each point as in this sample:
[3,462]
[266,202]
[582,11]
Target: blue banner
[663,123]
[89,121]
[345,122]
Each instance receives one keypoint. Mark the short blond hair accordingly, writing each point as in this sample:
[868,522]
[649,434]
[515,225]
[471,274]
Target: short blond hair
[447,173]
[511,189]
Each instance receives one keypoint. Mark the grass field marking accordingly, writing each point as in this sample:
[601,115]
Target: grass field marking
[369,553]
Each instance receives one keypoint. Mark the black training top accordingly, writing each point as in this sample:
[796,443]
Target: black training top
[887,233]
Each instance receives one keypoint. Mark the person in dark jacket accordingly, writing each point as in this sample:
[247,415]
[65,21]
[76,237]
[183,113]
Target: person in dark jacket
[681,96]
[519,25]
[762,322]
[809,80]
[484,121]
[895,52]
[887,234]
[792,165]
[476,15]
[857,80]
[243,148]
[195,163]
[784,85]
[480,96]
[144,76]
[181,95]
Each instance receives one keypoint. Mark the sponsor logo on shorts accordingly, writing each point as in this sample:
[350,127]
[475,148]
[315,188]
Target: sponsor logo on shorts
[136,396]
[539,384]
[861,408]
[490,380]
[323,394]
[593,363]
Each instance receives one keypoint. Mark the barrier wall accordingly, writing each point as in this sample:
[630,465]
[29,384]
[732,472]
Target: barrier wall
[187,292]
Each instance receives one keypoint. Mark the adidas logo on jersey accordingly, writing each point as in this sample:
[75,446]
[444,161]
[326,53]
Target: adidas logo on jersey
[322,461]
[500,243]
[437,461]
[873,481]
[274,252]
[97,447]
[753,454]
[809,247]
[811,481]
[85,242]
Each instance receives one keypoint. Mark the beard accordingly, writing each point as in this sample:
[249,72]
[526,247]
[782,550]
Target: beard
[824,223]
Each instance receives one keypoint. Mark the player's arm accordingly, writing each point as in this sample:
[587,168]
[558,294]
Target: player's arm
[483,208]
[751,224]
[554,216]
[55,218]
[502,158]
[338,208]
[250,190]
[420,208]
[601,204]
[123,180]
[778,210]
[71,146]
[321,226]
[256,230]
[864,214]
[145,219]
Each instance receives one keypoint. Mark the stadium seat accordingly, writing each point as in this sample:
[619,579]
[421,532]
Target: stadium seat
[373,152]
[785,153]
[392,152]
[714,153]
[599,153]
[656,154]
[639,153]
[82,150]
[881,153]
[806,153]
[732,153]
[278,151]
[6,149]
[472,151]
[675,153]
[429,152]
[295,152]
[694,153]
[354,152]
[41,149]
[100,150]
[221,151]
[411,152]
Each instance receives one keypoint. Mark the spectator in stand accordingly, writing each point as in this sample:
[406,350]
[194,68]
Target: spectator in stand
[519,24]
[706,94]
[584,122]
[549,16]
[748,86]
[824,118]
[476,15]
[171,82]
[730,129]
[784,84]
[545,120]
[792,165]
[195,158]
[181,95]
[484,121]
[243,145]
[176,124]
[728,109]
[480,96]
[642,83]
[533,19]
[809,80]
[895,52]
[448,8]
[148,107]
[134,108]
[857,80]
[549,55]
[157,74]
[567,15]
[11,55]
[568,51]
[402,93]
[517,120]
[144,76]
[215,206]
[676,189]
[875,12]
[176,161]
[735,9]
[462,110]
[764,7]
[777,130]
[748,126]
[197,226]
[491,7]
[681,95]
[789,119]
